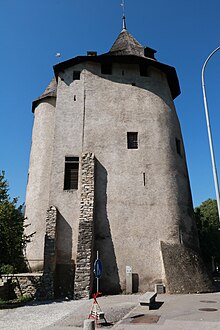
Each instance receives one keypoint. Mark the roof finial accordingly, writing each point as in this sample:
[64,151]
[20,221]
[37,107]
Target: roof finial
[123,15]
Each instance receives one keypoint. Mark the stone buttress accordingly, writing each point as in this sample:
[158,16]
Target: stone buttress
[84,260]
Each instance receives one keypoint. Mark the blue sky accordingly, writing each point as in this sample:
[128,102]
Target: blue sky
[183,32]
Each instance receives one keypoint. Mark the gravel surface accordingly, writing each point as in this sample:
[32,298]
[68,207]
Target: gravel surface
[114,307]
[64,314]
[38,315]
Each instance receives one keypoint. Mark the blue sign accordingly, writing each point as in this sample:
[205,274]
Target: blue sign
[98,268]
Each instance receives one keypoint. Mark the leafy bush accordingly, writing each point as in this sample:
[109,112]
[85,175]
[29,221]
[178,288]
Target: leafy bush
[6,269]
[12,237]
[209,231]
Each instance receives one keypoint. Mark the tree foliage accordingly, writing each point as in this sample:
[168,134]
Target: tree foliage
[209,231]
[11,230]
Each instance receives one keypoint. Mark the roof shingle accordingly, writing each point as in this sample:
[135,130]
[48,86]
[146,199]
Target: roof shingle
[126,44]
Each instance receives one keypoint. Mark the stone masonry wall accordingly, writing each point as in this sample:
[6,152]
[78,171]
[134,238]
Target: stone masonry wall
[83,275]
[47,287]
[25,284]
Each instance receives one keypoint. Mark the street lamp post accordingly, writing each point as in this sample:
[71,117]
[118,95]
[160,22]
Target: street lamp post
[210,133]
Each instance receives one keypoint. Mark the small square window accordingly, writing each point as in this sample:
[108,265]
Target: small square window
[76,75]
[71,173]
[132,140]
[106,68]
[144,70]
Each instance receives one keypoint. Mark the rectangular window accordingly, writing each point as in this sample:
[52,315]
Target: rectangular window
[76,75]
[132,140]
[178,147]
[106,68]
[144,70]
[71,173]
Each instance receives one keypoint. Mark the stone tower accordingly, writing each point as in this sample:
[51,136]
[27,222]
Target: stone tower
[107,153]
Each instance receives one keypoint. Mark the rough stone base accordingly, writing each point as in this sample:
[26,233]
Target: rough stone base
[185,271]
[46,290]
[26,284]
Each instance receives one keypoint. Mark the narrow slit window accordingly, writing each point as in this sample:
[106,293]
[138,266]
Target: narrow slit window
[132,140]
[106,68]
[76,75]
[144,178]
[71,173]
[178,147]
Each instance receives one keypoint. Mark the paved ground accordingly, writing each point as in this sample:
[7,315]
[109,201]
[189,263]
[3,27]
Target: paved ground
[178,312]
[66,314]
[173,312]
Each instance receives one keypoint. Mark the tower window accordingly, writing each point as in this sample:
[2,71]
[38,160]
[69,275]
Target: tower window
[178,147]
[76,75]
[143,70]
[71,173]
[106,68]
[132,140]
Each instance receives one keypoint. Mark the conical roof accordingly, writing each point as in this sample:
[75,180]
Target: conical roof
[126,49]
[126,44]
[50,91]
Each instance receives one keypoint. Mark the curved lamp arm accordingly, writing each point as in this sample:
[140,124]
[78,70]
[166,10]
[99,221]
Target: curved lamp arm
[210,133]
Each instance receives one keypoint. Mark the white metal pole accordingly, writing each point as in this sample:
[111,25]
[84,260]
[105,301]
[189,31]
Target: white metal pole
[210,133]
[97,280]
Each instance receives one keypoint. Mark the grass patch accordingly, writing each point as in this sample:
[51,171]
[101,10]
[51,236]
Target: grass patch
[21,301]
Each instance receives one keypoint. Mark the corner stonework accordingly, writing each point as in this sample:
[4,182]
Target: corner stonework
[46,290]
[83,274]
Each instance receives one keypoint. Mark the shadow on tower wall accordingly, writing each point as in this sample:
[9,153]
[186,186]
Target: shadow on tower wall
[109,282]
[65,266]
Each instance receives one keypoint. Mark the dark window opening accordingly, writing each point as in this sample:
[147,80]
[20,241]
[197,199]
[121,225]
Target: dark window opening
[144,70]
[74,98]
[132,140]
[178,147]
[91,53]
[76,75]
[71,173]
[144,179]
[106,68]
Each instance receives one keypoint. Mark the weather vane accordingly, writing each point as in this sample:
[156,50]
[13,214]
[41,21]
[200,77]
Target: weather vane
[58,55]
[123,14]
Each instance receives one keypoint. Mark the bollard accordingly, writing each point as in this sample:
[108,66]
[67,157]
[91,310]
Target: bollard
[89,325]
[128,279]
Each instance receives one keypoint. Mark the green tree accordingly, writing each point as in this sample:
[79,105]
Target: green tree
[11,230]
[209,231]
